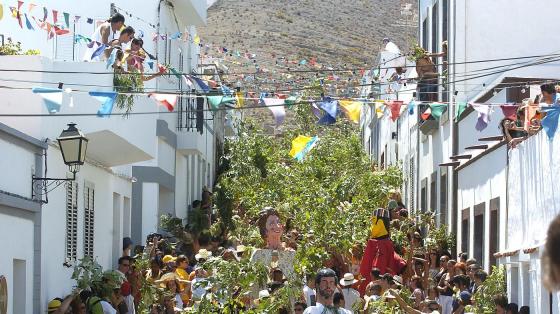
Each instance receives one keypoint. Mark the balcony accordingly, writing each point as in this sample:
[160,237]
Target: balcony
[113,141]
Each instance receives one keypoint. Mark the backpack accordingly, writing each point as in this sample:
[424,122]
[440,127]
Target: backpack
[378,228]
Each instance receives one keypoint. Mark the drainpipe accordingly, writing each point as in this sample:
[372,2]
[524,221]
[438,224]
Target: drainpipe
[455,135]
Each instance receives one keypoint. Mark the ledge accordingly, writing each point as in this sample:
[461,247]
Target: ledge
[482,154]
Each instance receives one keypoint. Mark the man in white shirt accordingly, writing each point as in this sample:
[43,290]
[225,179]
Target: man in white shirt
[325,283]
[351,296]
[124,268]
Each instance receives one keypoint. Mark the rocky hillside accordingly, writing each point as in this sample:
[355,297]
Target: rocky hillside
[328,34]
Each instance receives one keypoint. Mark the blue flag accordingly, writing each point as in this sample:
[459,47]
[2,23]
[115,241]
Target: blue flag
[27,23]
[107,100]
[330,106]
[52,97]
[550,121]
[98,51]
[410,108]
[201,84]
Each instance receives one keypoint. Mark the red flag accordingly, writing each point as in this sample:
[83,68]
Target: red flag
[18,16]
[55,16]
[58,31]
[166,100]
[426,114]
[395,106]
[510,111]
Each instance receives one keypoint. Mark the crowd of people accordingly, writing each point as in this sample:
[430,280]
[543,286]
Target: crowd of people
[174,278]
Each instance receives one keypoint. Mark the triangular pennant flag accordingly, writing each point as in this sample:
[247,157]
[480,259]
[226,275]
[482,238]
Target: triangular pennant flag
[353,109]
[31,7]
[317,112]
[1,11]
[150,64]
[66,19]
[410,108]
[45,14]
[98,51]
[550,121]
[28,23]
[59,31]
[301,145]
[20,3]
[175,72]
[200,84]
[437,109]
[77,18]
[196,39]
[240,99]
[107,100]
[276,106]
[290,101]
[395,106]
[50,33]
[55,16]
[426,114]
[89,20]
[379,109]
[510,111]
[330,106]
[326,120]
[459,108]
[216,101]
[51,96]
[175,36]
[483,116]
[167,100]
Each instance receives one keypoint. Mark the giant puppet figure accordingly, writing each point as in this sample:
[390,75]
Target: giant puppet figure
[271,230]
[379,252]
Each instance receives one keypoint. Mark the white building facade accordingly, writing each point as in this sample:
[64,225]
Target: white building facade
[465,175]
[139,167]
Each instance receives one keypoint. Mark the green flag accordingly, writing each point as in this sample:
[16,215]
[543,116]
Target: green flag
[216,101]
[459,108]
[437,110]
[290,101]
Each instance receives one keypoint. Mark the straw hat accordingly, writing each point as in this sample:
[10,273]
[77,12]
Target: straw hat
[348,280]
[203,254]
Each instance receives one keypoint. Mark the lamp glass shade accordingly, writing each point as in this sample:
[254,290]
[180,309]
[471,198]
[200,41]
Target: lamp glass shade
[73,146]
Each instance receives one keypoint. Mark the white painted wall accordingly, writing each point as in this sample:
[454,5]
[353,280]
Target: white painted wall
[12,228]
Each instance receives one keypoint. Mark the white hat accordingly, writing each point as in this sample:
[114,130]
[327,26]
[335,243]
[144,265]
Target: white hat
[264,294]
[398,279]
[203,254]
[348,280]
[241,248]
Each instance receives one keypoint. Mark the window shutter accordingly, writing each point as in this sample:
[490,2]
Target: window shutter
[89,220]
[71,221]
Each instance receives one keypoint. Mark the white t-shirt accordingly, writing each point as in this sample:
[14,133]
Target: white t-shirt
[320,309]
[351,296]
[107,308]
[308,292]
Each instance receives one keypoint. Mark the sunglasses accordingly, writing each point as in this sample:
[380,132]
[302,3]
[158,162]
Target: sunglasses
[299,309]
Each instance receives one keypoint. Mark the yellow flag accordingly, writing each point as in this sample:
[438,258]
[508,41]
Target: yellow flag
[298,144]
[240,99]
[1,11]
[379,109]
[353,109]
[196,39]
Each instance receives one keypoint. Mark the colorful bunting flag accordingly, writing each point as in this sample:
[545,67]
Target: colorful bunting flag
[290,101]
[426,114]
[216,101]
[316,111]
[550,121]
[330,106]
[200,84]
[167,100]
[45,14]
[52,97]
[459,108]
[55,16]
[483,116]
[276,106]
[353,109]
[410,108]
[111,60]
[98,51]
[510,111]
[240,100]
[28,23]
[395,106]
[196,39]
[89,20]
[18,16]
[379,107]
[301,145]
[66,19]
[437,109]
[31,7]
[107,100]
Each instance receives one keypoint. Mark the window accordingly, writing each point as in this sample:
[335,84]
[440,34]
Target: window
[479,233]
[443,197]
[423,195]
[89,222]
[465,230]
[445,19]
[494,229]
[433,193]
[72,221]
[425,34]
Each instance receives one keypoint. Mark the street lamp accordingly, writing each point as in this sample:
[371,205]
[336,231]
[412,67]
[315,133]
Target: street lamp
[73,147]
